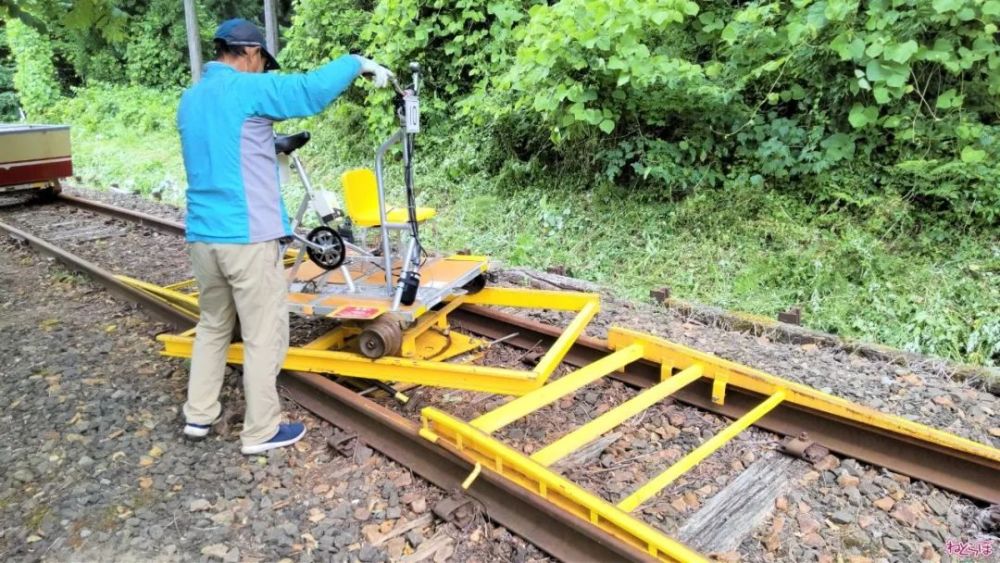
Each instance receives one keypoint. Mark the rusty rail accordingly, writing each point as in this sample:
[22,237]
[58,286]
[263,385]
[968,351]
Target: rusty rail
[158,223]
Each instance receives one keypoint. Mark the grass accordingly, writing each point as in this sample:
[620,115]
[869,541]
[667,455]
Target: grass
[873,274]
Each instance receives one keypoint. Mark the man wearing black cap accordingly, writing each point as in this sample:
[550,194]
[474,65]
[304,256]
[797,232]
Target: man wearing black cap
[235,217]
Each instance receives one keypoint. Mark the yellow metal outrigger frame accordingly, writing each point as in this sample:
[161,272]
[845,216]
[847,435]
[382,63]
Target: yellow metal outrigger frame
[679,366]
[474,441]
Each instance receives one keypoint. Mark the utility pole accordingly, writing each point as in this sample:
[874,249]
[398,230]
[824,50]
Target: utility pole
[271,27]
[194,39]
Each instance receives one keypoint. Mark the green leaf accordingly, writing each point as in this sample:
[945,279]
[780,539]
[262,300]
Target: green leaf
[972,155]
[948,99]
[849,50]
[729,34]
[881,94]
[874,71]
[991,8]
[607,126]
[902,52]
[943,6]
[838,146]
[837,10]
[861,115]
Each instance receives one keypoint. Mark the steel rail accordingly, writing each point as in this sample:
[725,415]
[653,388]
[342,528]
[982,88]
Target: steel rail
[158,223]
[966,474]
[558,533]
[158,309]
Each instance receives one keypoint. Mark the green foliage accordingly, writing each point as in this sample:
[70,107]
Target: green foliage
[102,106]
[142,42]
[8,96]
[605,61]
[35,75]
[682,95]
[102,18]
[460,44]
[322,30]
[83,35]
[156,52]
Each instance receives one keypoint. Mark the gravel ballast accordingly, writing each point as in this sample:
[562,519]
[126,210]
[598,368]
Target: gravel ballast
[96,467]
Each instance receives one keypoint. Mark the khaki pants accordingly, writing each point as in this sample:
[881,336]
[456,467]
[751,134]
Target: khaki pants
[246,280]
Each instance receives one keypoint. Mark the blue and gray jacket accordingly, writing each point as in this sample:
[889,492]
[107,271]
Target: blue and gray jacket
[227,138]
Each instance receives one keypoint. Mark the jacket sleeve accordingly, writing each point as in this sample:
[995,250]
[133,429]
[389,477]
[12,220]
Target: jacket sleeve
[284,96]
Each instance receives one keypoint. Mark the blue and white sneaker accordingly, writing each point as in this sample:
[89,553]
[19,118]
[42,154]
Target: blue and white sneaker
[288,434]
[196,431]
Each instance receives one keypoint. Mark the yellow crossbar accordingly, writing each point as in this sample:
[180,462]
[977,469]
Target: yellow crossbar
[593,429]
[529,403]
[532,298]
[643,493]
[561,346]
[427,319]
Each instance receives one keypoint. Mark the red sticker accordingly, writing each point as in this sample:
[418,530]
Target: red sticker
[357,312]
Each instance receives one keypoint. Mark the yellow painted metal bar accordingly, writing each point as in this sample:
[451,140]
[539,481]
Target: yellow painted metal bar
[184,302]
[425,322]
[437,374]
[181,285]
[683,465]
[522,406]
[550,361]
[760,382]
[160,291]
[333,338]
[494,456]
[471,258]
[532,298]
[719,390]
[593,429]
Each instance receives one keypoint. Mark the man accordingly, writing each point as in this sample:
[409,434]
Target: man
[235,217]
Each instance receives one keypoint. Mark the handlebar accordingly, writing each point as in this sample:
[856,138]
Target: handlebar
[415,71]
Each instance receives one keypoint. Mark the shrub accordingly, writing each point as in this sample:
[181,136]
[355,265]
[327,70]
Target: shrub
[34,75]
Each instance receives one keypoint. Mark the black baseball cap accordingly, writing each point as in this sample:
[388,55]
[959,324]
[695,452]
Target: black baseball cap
[240,32]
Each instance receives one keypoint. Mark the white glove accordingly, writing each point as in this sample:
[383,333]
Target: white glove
[379,74]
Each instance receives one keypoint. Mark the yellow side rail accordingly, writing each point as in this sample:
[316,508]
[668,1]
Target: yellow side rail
[402,370]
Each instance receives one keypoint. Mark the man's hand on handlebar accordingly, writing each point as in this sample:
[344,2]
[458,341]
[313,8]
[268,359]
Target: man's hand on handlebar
[378,74]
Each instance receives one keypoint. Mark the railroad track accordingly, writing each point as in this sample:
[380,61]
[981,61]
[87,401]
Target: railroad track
[552,529]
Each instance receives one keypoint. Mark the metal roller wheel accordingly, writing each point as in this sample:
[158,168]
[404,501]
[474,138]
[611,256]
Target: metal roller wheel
[383,337]
[333,253]
[476,285]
